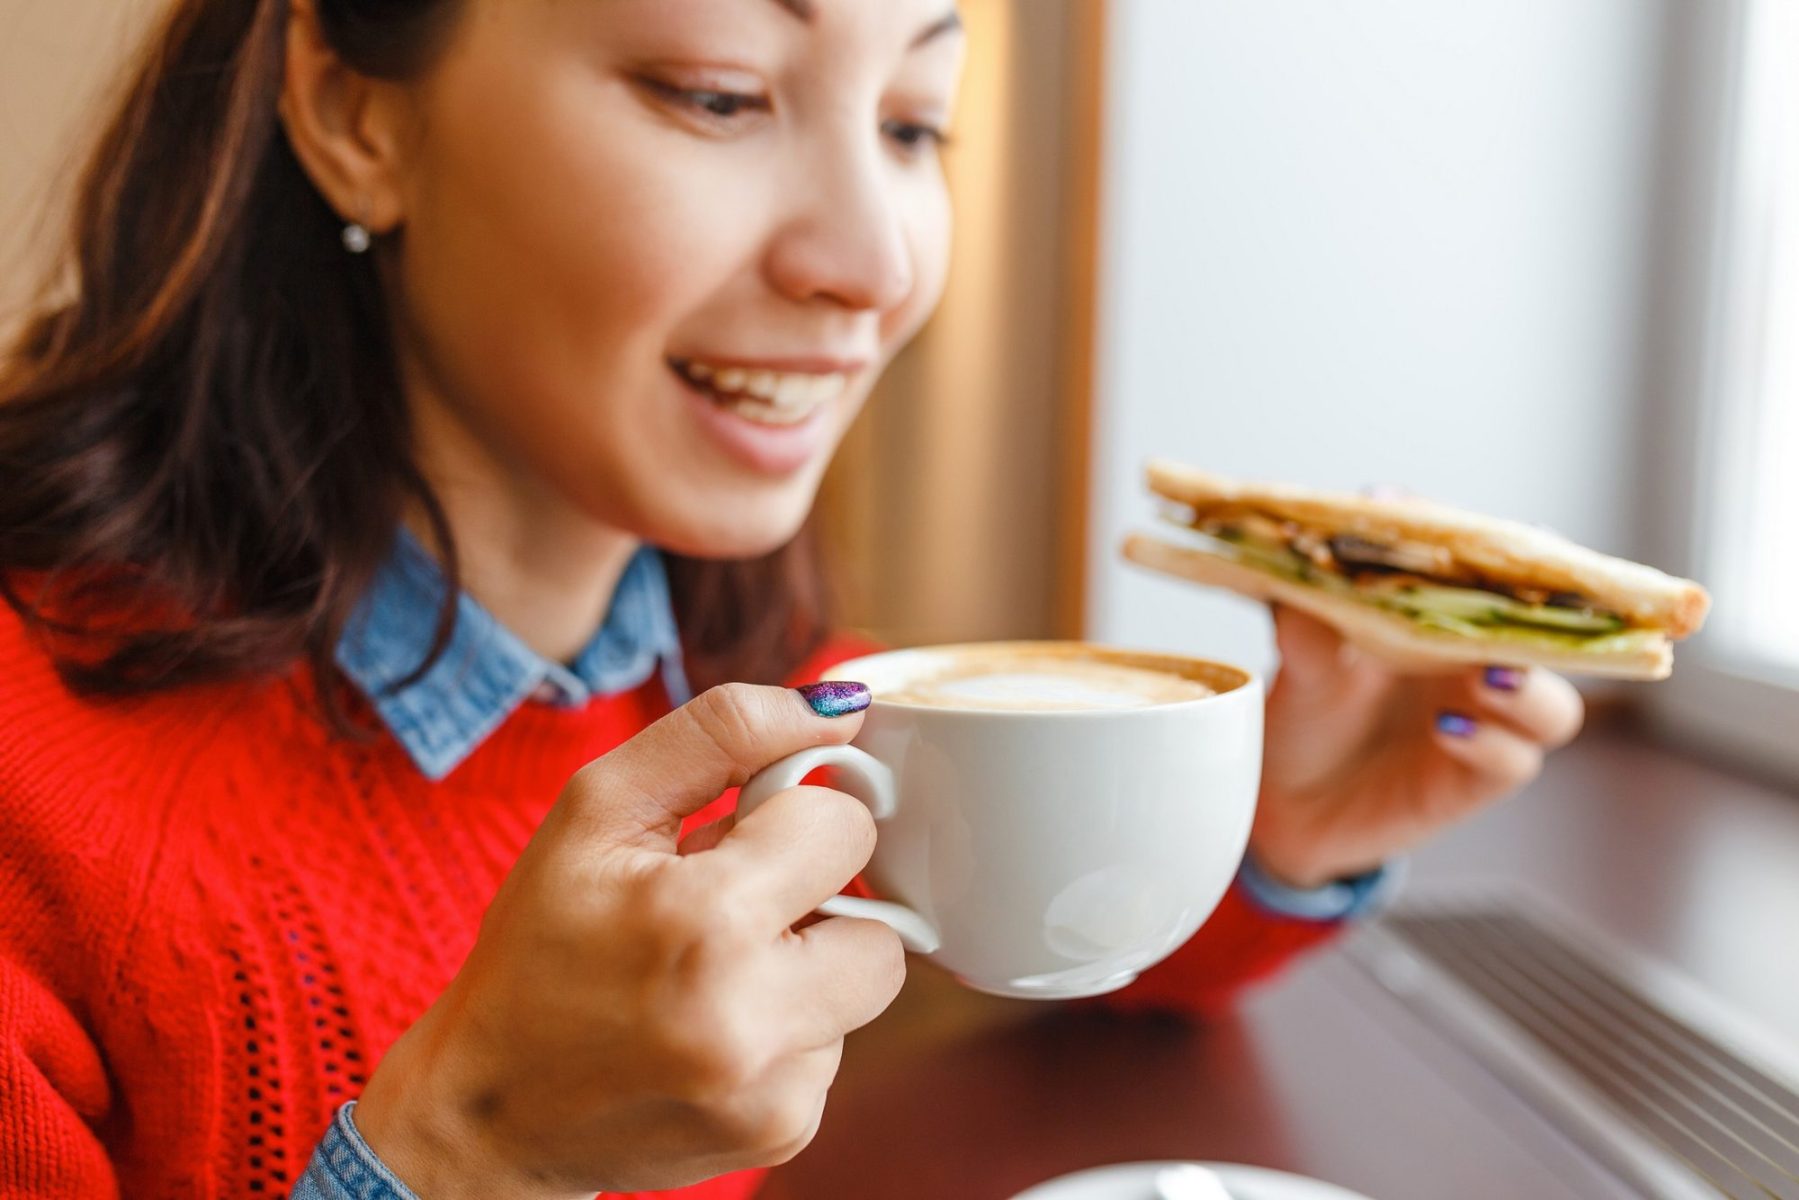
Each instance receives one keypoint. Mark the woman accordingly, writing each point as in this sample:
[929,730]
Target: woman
[446,382]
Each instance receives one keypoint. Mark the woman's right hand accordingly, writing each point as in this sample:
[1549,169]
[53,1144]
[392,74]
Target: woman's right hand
[637,1014]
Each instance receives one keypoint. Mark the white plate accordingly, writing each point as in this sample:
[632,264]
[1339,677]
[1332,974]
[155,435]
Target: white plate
[1137,1181]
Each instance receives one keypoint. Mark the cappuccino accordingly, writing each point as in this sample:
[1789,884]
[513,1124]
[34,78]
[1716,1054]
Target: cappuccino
[1055,816]
[1040,681]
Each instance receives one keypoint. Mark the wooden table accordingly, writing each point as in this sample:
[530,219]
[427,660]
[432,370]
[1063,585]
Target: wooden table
[957,1096]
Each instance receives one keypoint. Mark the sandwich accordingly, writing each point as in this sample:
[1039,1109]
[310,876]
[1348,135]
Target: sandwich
[1422,584]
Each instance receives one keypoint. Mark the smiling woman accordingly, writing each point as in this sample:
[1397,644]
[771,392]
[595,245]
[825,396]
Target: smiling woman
[412,344]
[602,263]
[441,386]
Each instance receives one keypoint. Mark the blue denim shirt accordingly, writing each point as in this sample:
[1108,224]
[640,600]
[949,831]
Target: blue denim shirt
[344,1168]
[487,672]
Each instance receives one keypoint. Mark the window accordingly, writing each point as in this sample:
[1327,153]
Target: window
[1737,687]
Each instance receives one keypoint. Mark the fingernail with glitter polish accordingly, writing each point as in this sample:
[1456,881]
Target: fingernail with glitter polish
[836,697]
[1504,679]
[1455,724]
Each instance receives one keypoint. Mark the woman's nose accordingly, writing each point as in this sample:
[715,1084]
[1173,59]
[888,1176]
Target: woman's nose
[845,242]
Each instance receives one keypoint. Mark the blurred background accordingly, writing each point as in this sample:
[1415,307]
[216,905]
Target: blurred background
[1529,256]
[1536,257]
[1515,254]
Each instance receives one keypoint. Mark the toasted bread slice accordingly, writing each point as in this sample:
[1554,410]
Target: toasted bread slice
[1390,635]
[1504,551]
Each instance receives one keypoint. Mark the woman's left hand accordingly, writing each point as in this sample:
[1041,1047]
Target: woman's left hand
[1363,761]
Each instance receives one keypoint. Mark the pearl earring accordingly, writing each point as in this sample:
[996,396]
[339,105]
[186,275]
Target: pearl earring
[357,238]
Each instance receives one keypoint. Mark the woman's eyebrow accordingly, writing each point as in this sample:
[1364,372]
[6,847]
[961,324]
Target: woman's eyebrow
[799,8]
[948,22]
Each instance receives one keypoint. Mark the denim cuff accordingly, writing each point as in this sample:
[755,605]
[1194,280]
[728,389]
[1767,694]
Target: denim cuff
[344,1168]
[1341,900]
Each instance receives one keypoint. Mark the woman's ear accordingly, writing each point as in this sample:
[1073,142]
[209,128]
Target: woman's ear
[346,128]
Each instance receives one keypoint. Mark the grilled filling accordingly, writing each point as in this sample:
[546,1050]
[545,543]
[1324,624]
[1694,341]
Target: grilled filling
[1423,582]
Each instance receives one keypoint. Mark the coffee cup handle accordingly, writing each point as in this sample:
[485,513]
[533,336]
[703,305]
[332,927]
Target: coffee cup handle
[869,780]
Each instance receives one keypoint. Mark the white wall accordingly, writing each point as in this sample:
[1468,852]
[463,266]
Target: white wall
[1387,241]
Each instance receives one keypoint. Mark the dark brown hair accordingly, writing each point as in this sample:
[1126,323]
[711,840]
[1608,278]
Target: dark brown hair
[204,455]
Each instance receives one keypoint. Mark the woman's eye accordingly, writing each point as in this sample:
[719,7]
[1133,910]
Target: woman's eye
[912,136]
[723,104]
[710,104]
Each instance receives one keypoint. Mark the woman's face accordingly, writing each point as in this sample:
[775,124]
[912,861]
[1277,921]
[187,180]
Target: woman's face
[655,252]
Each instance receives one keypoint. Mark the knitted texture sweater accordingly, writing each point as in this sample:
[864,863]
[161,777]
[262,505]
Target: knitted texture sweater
[215,917]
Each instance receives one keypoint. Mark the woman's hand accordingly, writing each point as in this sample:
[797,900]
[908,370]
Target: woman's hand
[1363,762]
[637,1014]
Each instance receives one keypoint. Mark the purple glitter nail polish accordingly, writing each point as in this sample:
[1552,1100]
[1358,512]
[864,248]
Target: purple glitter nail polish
[836,697]
[1456,724]
[1504,679]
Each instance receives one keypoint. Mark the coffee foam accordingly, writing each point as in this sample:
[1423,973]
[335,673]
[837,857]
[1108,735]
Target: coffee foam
[1022,681]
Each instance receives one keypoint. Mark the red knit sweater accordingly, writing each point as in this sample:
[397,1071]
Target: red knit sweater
[214,919]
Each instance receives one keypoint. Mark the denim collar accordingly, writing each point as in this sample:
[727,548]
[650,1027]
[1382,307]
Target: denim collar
[486,672]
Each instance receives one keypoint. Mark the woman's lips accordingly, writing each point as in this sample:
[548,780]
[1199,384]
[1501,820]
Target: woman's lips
[772,422]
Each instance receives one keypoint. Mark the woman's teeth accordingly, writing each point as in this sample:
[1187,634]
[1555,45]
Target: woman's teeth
[768,397]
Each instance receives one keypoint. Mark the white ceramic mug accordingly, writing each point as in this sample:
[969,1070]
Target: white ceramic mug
[1045,854]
